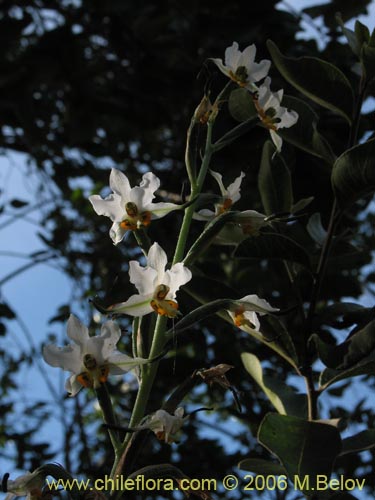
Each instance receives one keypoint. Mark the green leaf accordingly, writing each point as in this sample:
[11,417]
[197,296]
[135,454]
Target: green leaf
[241,105]
[274,182]
[368,61]
[301,204]
[353,174]
[364,440]
[362,33]
[304,134]
[304,448]
[349,35]
[319,80]
[272,246]
[261,467]
[236,132]
[285,400]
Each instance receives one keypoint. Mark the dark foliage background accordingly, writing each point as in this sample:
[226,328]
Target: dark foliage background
[90,84]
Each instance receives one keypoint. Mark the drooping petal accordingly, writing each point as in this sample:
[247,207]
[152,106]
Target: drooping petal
[253,320]
[78,332]
[72,386]
[121,363]
[110,206]
[117,233]
[144,278]
[161,209]
[254,303]
[136,305]
[177,276]
[157,259]
[277,140]
[219,63]
[205,214]
[68,358]
[119,184]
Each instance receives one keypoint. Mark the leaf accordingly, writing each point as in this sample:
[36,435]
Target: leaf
[282,396]
[368,61]
[319,80]
[364,440]
[241,105]
[349,35]
[353,174]
[235,132]
[301,204]
[304,133]
[261,467]
[304,448]
[272,246]
[274,182]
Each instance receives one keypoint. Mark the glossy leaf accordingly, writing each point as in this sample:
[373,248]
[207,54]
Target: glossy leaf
[304,134]
[353,175]
[303,447]
[285,400]
[319,80]
[274,182]
[261,467]
[272,246]
[364,440]
[241,105]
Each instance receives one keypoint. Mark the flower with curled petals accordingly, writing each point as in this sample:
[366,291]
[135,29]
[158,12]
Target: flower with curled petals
[130,208]
[241,66]
[230,195]
[165,426]
[272,115]
[157,287]
[244,313]
[90,359]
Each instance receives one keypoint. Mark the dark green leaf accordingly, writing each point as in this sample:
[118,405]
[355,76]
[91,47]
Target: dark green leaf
[285,400]
[353,175]
[272,246]
[350,36]
[316,230]
[304,448]
[241,105]
[368,61]
[319,80]
[364,440]
[274,182]
[304,133]
[261,467]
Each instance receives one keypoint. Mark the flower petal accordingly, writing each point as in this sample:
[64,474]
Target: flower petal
[277,140]
[119,184]
[219,179]
[157,259]
[77,331]
[255,303]
[68,358]
[161,209]
[136,305]
[232,56]
[150,183]
[205,214]
[122,363]
[177,276]
[117,233]
[110,207]
[72,386]
[233,190]
[144,278]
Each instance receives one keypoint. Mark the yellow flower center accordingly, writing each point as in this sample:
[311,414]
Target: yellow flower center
[240,320]
[94,375]
[163,306]
[224,207]
[134,219]
[267,116]
[240,76]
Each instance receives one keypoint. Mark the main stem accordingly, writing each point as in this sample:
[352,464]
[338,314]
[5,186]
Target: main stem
[158,342]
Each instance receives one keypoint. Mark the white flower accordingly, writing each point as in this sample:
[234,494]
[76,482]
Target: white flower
[165,426]
[272,114]
[157,287]
[30,485]
[230,195]
[244,315]
[241,66]
[91,359]
[130,208]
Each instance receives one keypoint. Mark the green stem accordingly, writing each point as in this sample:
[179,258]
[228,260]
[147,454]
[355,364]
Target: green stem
[105,404]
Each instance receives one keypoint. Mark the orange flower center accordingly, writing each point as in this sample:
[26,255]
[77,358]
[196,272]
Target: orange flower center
[94,375]
[134,219]
[161,305]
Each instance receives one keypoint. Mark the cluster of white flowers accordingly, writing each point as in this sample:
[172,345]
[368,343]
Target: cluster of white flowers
[242,69]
